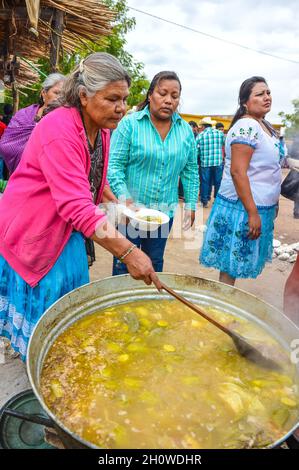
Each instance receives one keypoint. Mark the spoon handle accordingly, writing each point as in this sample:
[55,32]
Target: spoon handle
[196,309]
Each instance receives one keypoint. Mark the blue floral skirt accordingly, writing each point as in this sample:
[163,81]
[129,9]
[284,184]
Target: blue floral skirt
[21,306]
[226,246]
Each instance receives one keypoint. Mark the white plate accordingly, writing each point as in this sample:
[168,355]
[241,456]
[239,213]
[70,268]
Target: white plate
[144,212]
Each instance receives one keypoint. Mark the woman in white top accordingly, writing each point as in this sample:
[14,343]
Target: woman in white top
[239,237]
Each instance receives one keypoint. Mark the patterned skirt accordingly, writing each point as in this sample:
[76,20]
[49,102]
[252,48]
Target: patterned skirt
[226,246]
[21,306]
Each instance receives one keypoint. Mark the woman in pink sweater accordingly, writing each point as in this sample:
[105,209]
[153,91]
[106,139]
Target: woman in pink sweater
[52,199]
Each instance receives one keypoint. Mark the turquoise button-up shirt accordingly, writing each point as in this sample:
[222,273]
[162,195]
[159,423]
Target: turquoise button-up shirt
[147,169]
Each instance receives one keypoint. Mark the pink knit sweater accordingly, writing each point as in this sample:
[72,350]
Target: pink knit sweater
[49,195]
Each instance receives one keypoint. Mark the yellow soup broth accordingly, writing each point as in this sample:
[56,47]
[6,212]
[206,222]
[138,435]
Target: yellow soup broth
[154,374]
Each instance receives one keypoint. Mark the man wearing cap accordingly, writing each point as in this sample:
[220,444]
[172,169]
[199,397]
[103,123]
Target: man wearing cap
[210,144]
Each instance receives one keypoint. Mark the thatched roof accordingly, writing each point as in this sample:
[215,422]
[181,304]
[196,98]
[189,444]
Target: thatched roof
[22,36]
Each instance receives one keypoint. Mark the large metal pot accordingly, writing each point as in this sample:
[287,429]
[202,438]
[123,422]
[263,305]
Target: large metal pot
[116,290]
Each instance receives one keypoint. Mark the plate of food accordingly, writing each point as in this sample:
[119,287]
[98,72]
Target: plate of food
[146,219]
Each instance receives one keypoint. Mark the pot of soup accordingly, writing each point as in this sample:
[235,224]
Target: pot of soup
[117,364]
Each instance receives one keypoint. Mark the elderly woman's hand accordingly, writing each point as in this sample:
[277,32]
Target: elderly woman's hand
[140,267]
[138,263]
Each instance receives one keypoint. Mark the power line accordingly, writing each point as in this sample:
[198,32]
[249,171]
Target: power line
[215,37]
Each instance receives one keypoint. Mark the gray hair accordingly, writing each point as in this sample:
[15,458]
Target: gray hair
[51,80]
[91,75]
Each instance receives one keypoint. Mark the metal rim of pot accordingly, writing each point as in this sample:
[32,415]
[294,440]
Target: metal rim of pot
[227,297]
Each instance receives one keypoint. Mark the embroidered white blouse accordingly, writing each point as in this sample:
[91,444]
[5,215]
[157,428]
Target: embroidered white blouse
[264,170]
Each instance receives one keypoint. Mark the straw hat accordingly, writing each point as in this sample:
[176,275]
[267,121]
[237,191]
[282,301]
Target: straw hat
[207,120]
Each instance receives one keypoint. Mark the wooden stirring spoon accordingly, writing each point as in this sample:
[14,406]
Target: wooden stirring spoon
[259,353]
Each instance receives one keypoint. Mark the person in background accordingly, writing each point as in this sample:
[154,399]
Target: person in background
[52,199]
[291,295]
[219,126]
[195,130]
[291,307]
[2,128]
[283,152]
[194,127]
[150,150]
[7,113]
[293,164]
[210,143]
[239,236]
[16,135]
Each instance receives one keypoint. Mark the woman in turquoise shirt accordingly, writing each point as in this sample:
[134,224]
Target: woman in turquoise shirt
[150,150]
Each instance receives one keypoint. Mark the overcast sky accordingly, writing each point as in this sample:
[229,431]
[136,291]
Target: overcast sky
[212,71]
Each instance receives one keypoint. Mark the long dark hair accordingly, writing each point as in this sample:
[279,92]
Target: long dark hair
[244,94]
[165,75]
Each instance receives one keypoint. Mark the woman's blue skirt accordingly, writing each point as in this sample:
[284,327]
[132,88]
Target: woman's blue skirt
[21,306]
[226,246]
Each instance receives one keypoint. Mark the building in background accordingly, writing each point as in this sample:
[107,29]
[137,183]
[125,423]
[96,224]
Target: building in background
[225,119]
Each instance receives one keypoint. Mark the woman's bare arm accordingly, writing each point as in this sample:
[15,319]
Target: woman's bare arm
[240,159]
[138,263]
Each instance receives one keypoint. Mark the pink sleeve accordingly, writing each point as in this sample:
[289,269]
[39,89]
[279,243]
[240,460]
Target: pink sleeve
[62,163]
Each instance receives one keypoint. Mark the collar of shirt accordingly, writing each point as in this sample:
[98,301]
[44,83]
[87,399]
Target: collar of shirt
[146,113]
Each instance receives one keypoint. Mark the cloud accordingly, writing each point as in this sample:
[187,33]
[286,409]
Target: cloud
[211,71]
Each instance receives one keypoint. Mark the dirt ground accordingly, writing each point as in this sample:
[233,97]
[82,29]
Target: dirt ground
[182,257]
